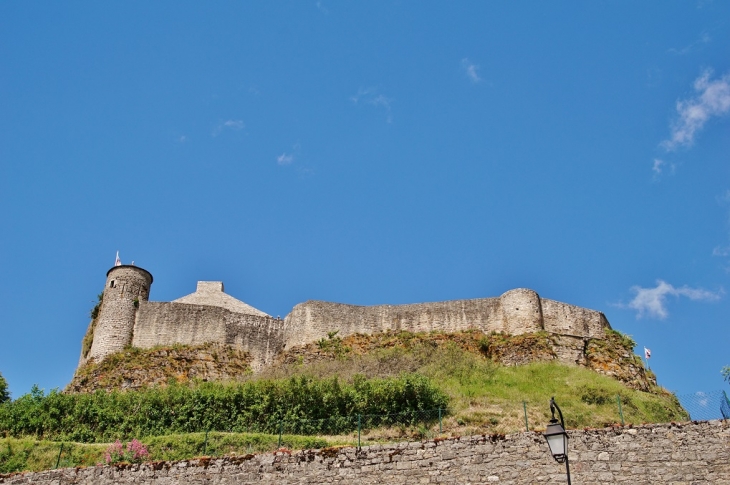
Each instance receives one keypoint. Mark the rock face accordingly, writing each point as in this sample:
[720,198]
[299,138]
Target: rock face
[135,368]
[611,356]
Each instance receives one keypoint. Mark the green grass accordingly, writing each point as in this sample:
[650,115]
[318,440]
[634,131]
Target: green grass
[488,398]
[484,398]
[19,454]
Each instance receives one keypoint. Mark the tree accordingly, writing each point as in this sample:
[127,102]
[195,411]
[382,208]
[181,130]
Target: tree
[4,393]
[726,373]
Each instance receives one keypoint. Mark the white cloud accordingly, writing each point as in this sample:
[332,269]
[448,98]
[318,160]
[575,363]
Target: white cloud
[234,125]
[703,39]
[712,100]
[471,70]
[724,198]
[322,8]
[372,97]
[721,251]
[285,159]
[653,301]
[660,166]
[657,168]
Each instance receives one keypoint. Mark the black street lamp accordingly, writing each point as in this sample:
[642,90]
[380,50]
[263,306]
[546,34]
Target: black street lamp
[557,438]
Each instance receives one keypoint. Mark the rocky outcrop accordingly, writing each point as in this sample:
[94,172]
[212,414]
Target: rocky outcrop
[135,368]
[611,356]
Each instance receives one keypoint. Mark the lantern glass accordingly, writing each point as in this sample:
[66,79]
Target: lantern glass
[557,440]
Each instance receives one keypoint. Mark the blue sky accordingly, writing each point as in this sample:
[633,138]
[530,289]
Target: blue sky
[368,152]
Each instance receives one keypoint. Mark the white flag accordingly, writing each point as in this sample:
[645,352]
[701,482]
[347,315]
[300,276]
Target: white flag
[118,262]
[647,353]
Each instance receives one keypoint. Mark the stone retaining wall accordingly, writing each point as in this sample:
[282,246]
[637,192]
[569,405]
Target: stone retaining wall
[688,453]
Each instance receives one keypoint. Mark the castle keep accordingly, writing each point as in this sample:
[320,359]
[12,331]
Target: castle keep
[209,315]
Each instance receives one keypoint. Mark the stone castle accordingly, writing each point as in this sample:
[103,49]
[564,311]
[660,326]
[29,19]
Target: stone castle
[127,317]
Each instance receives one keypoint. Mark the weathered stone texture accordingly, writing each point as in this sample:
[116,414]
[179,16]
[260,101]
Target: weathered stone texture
[211,316]
[211,293]
[313,320]
[564,319]
[169,323]
[126,287]
[685,454]
[514,313]
[136,368]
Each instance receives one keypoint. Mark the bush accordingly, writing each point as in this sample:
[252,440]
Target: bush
[4,393]
[132,452]
[258,406]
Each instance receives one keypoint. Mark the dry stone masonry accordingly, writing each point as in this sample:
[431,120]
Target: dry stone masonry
[209,315]
[673,454]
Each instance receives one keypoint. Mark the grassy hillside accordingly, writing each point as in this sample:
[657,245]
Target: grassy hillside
[367,375]
[484,396]
[19,454]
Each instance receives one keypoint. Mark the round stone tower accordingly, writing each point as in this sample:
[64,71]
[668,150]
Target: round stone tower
[126,286]
[522,311]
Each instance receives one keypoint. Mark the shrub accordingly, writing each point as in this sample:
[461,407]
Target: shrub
[257,406]
[89,337]
[4,393]
[133,452]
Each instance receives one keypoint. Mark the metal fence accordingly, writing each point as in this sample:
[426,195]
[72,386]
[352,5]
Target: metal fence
[366,429]
[704,406]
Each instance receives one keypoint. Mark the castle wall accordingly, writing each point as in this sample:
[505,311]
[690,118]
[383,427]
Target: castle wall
[515,312]
[660,453]
[565,319]
[125,289]
[312,320]
[169,323]
[521,312]
[209,315]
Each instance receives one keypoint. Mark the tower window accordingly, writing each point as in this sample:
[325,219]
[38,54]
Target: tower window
[111,285]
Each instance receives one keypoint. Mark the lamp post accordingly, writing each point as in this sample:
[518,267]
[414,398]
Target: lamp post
[557,438]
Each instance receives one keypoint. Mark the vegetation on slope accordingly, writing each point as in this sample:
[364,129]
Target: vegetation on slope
[258,406]
[20,454]
[4,393]
[325,380]
[135,368]
[484,396]
[89,336]
[612,356]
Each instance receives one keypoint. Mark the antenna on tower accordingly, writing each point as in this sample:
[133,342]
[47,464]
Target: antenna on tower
[117,262]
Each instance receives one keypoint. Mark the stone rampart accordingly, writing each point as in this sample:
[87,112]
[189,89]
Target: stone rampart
[312,320]
[169,323]
[209,315]
[665,453]
[515,312]
[563,319]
